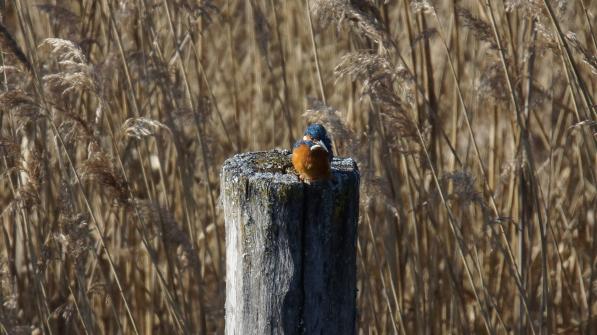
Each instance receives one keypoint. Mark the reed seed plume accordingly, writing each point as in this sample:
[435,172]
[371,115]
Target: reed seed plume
[27,195]
[478,27]
[426,6]
[141,127]
[161,220]
[65,83]
[23,106]
[361,65]
[204,9]
[76,236]
[64,50]
[532,8]
[77,73]
[100,169]
[360,15]
[465,191]
[17,100]
[378,76]
[75,129]
[492,83]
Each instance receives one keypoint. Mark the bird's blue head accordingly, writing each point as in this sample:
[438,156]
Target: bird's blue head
[316,132]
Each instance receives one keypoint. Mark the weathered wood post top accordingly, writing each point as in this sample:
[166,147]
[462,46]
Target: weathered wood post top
[290,247]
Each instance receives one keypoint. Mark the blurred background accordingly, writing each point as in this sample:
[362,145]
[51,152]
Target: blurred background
[473,123]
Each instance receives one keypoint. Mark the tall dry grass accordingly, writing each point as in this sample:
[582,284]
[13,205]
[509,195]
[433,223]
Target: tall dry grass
[474,124]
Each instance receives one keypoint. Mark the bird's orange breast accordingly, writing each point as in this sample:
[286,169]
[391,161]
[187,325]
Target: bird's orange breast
[311,164]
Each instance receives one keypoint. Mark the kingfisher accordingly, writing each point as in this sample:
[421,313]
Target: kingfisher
[312,155]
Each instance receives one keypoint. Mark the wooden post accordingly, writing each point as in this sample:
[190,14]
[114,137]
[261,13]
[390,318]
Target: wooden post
[290,247]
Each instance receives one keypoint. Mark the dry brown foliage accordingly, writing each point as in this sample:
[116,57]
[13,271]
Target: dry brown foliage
[474,125]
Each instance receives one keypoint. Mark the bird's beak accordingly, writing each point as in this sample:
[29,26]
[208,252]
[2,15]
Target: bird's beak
[319,144]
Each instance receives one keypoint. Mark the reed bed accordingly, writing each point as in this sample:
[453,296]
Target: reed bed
[474,124]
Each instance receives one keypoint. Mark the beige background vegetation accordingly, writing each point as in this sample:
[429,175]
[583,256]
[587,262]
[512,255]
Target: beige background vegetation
[473,123]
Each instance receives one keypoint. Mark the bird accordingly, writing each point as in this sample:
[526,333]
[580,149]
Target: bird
[312,155]
[317,132]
